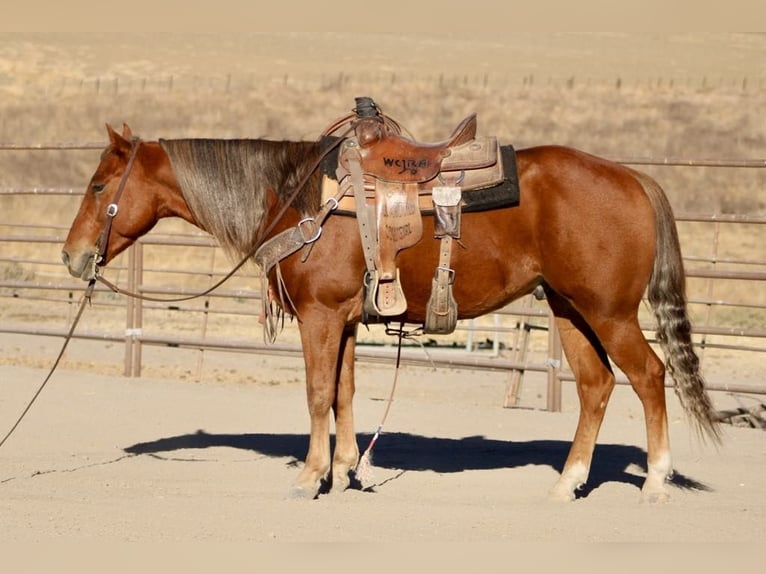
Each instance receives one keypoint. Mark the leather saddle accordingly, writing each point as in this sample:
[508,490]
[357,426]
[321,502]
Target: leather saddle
[392,157]
[473,163]
[390,181]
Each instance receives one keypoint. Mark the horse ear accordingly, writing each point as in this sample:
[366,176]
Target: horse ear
[127,133]
[117,141]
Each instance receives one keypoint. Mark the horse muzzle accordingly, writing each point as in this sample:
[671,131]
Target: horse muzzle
[82,266]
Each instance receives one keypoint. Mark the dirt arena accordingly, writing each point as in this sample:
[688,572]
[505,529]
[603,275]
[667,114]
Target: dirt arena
[106,458]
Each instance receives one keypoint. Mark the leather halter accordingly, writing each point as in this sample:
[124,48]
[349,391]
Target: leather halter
[111,210]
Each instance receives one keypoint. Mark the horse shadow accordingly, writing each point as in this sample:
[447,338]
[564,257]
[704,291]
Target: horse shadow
[410,452]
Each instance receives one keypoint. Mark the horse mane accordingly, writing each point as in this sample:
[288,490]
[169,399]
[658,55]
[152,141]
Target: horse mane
[225,184]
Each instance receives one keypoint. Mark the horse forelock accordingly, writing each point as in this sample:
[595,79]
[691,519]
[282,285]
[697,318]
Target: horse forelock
[224,183]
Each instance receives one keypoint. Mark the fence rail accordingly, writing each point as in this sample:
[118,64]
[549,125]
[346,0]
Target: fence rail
[508,342]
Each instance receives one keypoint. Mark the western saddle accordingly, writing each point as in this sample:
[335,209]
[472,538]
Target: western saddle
[390,181]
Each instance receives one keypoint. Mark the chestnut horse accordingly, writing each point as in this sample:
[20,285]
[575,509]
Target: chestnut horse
[594,234]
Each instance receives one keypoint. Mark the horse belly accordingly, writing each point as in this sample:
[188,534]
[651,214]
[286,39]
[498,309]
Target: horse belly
[492,266]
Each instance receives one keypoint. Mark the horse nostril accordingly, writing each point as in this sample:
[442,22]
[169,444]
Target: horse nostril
[65,257]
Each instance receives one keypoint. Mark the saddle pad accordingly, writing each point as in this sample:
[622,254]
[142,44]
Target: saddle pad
[505,194]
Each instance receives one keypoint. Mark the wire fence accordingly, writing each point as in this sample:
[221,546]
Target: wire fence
[114,85]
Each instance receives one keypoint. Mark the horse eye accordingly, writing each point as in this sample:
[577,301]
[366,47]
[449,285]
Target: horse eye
[98,187]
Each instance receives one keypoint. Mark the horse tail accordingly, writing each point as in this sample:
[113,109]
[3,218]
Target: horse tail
[667,296]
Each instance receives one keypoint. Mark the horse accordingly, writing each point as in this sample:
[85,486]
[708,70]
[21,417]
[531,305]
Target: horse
[593,234]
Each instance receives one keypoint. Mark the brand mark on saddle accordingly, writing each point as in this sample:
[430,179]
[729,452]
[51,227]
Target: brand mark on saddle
[398,209]
[406,164]
[397,232]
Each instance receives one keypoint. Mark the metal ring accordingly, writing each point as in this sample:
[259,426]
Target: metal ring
[312,238]
[458,181]
[112,209]
[333,200]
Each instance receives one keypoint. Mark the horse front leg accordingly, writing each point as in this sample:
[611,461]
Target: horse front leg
[346,452]
[321,336]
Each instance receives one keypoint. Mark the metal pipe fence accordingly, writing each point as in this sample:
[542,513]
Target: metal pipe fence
[520,338]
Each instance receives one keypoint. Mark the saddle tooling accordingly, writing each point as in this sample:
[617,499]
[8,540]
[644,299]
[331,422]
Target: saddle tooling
[389,183]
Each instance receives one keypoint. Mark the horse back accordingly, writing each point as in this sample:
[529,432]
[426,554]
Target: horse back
[583,224]
[580,218]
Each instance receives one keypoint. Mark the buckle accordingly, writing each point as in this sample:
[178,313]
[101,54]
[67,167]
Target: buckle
[450,274]
[312,235]
[334,202]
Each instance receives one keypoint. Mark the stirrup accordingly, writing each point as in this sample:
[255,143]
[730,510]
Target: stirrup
[384,298]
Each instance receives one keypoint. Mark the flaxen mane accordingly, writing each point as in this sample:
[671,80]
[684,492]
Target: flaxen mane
[225,183]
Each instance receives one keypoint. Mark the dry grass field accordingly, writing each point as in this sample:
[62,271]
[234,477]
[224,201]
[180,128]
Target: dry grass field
[617,95]
[691,96]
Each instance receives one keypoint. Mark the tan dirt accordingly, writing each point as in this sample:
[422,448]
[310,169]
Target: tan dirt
[102,457]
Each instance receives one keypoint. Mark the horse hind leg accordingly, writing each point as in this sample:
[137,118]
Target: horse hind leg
[595,382]
[628,348]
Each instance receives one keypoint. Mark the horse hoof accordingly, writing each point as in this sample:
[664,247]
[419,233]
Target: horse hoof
[340,483]
[301,493]
[561,495]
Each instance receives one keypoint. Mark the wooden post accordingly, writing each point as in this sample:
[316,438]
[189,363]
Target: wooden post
[134,319]
[130,316]
[138,315]
[520,347]
[554,365]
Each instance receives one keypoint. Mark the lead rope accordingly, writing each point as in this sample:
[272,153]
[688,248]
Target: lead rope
[85,299]
[101,245]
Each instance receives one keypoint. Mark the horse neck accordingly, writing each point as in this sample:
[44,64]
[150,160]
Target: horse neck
[170,198]
[225,184]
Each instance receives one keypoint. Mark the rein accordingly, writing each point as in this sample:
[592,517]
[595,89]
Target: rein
[112,210]
[103,242]
[85,299]
[102,245]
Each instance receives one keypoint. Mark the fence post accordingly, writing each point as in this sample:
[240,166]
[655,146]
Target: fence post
[554,365]
[139,310]
[134,318]
[130,315]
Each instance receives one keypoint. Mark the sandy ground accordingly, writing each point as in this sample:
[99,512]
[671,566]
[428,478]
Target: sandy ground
[110,459]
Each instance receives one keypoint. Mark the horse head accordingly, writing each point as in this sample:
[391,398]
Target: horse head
[132,188]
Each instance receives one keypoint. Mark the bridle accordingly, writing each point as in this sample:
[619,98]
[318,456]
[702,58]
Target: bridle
[308,235]
[102,245]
